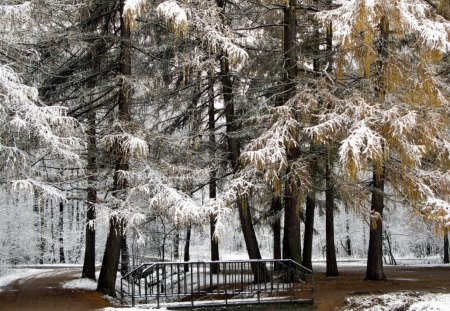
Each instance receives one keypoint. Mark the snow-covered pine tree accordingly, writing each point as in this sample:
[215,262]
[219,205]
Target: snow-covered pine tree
[392,108]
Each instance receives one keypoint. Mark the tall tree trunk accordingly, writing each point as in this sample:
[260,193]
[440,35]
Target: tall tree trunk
[42,231]
[332,269]
[260,271]
[291,236]
[62,258]
[37,206]
[375,255]
[89,250]
[446,259]
[276,226]
[176,245]
[309,230]
[52,232]
[108,272]
[187,244]
[214,242]
[124,250]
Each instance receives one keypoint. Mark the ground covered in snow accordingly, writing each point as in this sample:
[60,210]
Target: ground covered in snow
[407,301]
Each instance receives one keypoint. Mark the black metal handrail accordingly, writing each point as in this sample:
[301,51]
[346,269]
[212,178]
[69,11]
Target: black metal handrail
[234,280]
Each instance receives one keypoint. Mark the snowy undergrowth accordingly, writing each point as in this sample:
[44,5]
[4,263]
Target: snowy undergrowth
[406,301]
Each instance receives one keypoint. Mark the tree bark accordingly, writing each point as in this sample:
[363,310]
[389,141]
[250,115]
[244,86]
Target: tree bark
[309,231]
[291,237]
[62,258]
[124,250]
[89,250]
[187,244]
[110,262]
[214,242]
[446,258]
[176,245]
[108,272]
[332,269]
[276,226]
[375,255]
[260,271]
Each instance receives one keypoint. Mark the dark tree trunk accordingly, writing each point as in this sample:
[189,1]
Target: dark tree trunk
[89,250]
[290,50]
[187,244]
[124,251]
[41,232]
[108,272]
[446,259]
[375,255]
[110,262]
[309,231]
[176,246]
[260,271]
[276,226]
[291,236]
[214,242]
[332,269]
[62,258]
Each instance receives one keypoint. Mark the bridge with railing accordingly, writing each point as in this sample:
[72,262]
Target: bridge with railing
[217,283]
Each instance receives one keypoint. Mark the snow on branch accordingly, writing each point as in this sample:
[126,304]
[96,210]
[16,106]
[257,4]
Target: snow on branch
[17,16]
[360,147]
[32,129]
[175,16]
[352,17]
[242,185]
[269,149]
[438,211]
[129,144]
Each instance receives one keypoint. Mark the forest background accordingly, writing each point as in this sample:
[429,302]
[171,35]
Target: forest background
[127,125]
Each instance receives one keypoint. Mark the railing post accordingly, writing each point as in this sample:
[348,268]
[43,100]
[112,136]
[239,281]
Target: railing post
[192,283]
[258,292]
[157,286]
[225,282]
[132,292]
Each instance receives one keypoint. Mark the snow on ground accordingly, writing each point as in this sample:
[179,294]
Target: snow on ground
[406,301]
[86,284]
[131,309]
[10,275]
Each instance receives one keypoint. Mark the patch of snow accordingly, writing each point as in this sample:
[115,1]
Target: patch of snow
[407,301]
[131,309]
[11,275]
[86,284]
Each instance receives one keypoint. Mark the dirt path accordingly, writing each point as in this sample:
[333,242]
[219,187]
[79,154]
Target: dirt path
[330,293]
[44,293]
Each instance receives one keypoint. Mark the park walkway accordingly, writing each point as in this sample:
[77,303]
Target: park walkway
[44,292]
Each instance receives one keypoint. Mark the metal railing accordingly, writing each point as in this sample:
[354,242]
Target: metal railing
[218,283]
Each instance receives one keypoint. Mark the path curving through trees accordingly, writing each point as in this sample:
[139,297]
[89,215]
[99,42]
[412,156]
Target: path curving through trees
[44,292]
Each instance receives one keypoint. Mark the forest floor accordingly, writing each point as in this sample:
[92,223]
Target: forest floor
[331,293]
[45,291]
